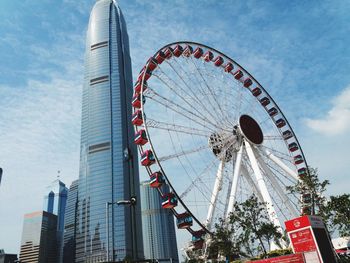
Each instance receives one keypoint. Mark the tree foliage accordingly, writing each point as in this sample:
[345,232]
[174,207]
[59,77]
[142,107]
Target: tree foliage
[248,231]
[312,185]
[338,213]
[334,211]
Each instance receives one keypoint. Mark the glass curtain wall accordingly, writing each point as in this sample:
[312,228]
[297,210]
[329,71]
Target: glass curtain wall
[108,162]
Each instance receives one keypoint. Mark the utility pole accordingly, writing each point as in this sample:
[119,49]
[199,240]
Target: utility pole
[131,202]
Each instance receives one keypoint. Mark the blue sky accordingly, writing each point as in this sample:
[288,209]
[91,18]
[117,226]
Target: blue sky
[298,50]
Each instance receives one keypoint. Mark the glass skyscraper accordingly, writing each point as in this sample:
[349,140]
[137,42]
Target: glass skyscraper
[159,238]
[39,242]
[108,159]
[70,218]
[55,203]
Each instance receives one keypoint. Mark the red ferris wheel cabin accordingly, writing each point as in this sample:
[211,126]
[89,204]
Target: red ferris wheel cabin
[136,100]
[169,201]
[137,118]
[147,158]
[137,87]
[141,137]
[156,180]
[184,220]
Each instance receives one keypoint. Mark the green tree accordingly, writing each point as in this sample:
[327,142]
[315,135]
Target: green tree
[255,224]
[338,213]
[269,233]
[247,233]
[224,242]
[312,185]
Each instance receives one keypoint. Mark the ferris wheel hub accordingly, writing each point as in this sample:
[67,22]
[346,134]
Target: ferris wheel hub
[250,129]
[225,144]
[222,145]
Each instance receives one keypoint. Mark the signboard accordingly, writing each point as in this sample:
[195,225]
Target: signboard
[294,258]
[309,235]
[302,240]
[304,221]
[297,223]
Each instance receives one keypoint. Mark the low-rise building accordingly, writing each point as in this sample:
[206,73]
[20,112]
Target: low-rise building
[7,258]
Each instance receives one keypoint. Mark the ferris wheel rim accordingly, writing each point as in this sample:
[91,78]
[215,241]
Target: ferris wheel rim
[246,73]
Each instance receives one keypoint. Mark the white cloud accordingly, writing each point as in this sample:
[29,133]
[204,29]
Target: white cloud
[39,131]
[337,119]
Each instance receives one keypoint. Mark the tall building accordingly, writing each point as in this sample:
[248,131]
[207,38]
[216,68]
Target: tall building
[108,159]
[70,218]
[7,258]
[55,203]
[159,237]
[39,243]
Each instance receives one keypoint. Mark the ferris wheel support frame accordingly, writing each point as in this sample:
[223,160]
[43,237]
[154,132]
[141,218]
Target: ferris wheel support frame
[236,174]
[215,193]
[275,184]
[263,189]
[252,184]
[284,167]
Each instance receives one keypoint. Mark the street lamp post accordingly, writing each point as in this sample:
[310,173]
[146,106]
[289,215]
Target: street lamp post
[131,202]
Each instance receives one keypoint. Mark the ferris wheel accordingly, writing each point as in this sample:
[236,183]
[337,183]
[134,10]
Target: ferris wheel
[207,129]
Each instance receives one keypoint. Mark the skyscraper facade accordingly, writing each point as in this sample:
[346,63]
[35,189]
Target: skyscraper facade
[108,160]
[55,202]
[159,237]
[70,218]
[39,243]
[7,258]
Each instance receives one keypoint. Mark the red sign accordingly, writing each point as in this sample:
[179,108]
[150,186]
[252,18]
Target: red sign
[304,221]
[303,240]
[294,258]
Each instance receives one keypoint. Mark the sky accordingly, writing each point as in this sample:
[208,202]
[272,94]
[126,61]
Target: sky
[298,50]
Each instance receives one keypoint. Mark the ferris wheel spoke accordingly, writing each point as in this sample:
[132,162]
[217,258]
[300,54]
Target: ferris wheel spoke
[264,120]
[293,195]
[216,108]
[222,98]
[218,100]
[279,174]
[172,127]
[187,91]
[205,93]
[165,102]
[182,153]
[280,209]
[276,186]
[280,163]
[273,138]
[276,153]
[234,91]
[291,181]
[168,104]
[184,98]
[191,92]
[198,179]
[205,190]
